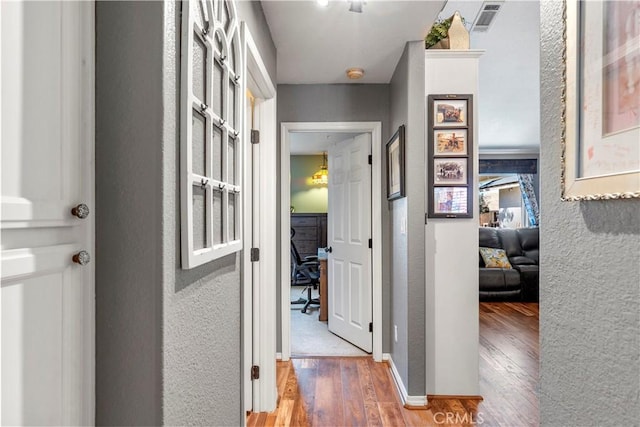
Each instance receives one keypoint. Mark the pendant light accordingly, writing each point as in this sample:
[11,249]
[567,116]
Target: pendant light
[322,176]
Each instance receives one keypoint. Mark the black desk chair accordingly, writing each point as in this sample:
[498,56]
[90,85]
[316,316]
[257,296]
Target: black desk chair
[304,272]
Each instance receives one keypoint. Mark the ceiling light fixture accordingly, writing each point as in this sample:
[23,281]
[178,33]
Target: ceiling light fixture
[322,176]
[323,3]
[355,73]
[356,6]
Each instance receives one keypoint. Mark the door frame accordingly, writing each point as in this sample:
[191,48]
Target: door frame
[375,129]
[258,322]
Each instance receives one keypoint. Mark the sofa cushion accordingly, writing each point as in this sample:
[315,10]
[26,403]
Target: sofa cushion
[488,238]
[530,242]
[498,279]
[521,260]
[495,258]
[509,242]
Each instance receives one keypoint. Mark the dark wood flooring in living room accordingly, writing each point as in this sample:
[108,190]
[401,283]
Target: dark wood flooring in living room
[355,391]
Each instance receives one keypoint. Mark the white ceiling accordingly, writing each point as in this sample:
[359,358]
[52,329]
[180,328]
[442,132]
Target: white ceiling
[315,142]
[317,45]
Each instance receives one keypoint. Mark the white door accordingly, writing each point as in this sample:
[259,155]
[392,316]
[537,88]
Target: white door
[348,234]
[47,299]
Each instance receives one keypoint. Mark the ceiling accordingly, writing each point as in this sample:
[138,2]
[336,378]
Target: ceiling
[316,45]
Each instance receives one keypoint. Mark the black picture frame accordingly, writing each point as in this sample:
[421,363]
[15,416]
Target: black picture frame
[450,191]
[395,165]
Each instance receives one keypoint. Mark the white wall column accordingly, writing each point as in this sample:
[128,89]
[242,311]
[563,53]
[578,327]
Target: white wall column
[452,315]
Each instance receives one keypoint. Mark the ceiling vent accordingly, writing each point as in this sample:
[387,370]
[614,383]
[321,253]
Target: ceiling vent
[486,16]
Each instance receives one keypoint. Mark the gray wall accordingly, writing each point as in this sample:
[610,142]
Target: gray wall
[167,339]
[408,284]
[129,290]
[399,115]
[339,103]
[589,293]
[251,12]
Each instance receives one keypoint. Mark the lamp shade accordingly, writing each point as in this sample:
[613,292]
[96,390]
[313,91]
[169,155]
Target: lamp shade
[322,176]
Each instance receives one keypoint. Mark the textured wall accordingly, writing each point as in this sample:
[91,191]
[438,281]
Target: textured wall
[305,196]
[589,292]
[251,12]
[408,290]
[167,339]
[415,179]
[398,259]
[339,103]
[201,306]
[129,56]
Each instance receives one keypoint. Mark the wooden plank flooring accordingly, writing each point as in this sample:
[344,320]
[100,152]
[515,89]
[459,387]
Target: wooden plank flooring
[356,391]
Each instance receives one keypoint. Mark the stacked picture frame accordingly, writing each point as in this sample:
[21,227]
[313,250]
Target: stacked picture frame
[450,156]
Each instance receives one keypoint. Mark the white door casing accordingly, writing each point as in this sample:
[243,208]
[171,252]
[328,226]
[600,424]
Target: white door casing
[348,234]
[375,130]
[259,288]
[47,301]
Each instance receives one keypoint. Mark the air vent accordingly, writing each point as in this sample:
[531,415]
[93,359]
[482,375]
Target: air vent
[486,16]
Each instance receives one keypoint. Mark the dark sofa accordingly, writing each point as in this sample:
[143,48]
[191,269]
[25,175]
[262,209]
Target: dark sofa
[522,248]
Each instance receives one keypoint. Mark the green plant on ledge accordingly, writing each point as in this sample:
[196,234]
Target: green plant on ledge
[439,31]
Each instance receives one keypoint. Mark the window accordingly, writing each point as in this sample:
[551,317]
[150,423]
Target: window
[210,149]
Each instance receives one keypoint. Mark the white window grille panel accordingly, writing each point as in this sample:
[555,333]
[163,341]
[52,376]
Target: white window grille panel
[210,139]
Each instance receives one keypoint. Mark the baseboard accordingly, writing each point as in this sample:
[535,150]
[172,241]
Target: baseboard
[279,356]
[409,402]
[452,397]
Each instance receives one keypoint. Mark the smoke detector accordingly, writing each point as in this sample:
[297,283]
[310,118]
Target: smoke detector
[486,15]
[355,73]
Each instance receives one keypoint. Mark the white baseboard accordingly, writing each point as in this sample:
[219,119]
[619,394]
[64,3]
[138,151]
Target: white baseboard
[278,356]
[402,390]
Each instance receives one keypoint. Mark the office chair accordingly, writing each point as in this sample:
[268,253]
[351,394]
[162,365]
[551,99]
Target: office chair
[304,272]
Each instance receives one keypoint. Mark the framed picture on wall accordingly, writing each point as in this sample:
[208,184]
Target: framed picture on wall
[395,165]
[450,171]
[600,150]
[450,112]
[450,201]
[450,156]
[450,142]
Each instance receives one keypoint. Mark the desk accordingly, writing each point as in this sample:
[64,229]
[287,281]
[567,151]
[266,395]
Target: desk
[323,317]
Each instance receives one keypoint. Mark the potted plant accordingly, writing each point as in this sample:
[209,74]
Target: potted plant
[448,33]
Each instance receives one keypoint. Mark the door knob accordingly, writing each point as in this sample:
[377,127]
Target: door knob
[81,211]
[82,258]
[328,249]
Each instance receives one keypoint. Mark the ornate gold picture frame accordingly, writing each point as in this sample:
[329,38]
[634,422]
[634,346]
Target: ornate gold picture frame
[601,135]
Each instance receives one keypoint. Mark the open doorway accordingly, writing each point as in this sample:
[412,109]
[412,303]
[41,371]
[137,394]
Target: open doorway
[358,315]
[310,203]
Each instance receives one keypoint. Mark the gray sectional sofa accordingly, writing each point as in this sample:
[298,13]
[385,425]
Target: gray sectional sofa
[521,282]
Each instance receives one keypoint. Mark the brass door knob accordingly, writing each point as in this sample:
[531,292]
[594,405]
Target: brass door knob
[82,258]
[81,211]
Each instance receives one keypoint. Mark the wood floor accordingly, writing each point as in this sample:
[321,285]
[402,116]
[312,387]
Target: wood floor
[355,391]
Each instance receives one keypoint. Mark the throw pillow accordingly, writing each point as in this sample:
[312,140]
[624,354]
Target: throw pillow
[495,258]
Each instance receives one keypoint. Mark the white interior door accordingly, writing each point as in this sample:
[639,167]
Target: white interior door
[348,234]
[47,299]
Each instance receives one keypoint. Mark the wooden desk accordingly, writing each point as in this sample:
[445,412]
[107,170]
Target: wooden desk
[323,317]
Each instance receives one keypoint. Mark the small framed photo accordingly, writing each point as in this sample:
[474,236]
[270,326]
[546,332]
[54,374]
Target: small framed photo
[450,202]
[449,142]
[395,165]
[450,171]
[450,112]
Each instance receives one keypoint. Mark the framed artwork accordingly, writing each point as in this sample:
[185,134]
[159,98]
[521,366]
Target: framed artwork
[395,165]
[450,156]
[600,147]
[450,142]
[450,112]
[450,171]
[450,201]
